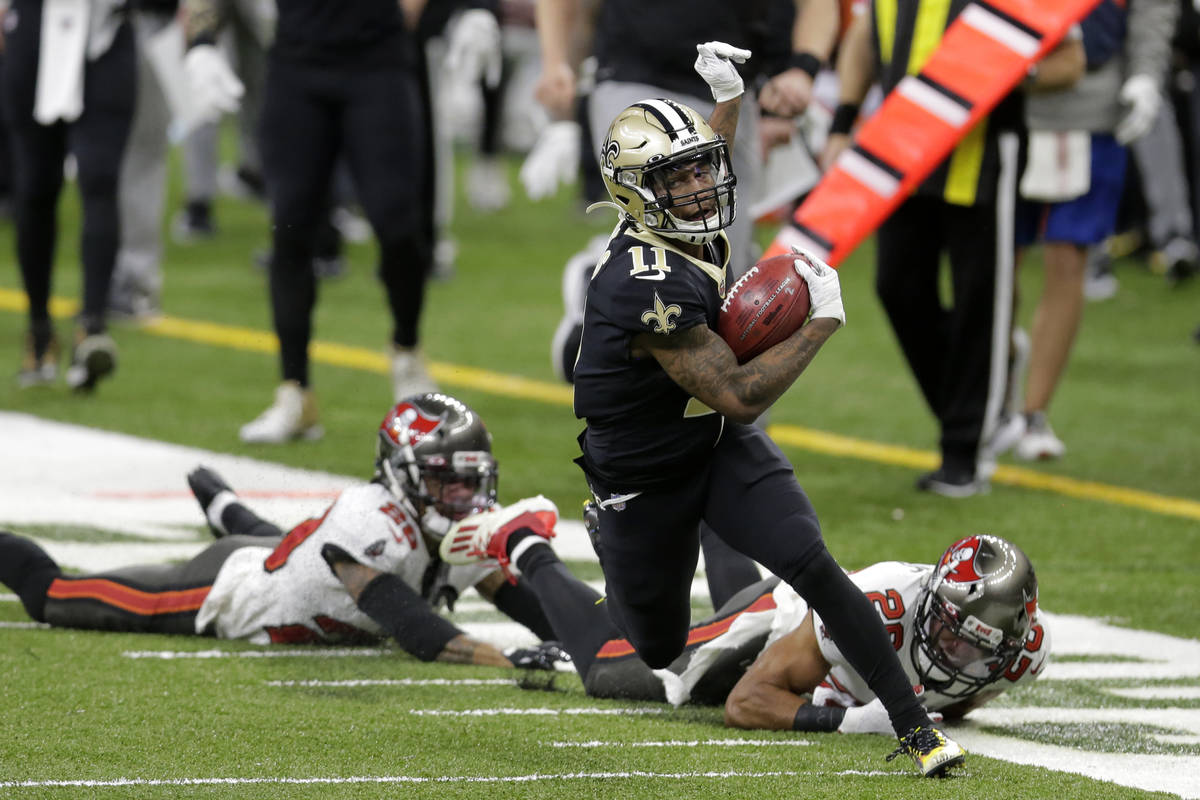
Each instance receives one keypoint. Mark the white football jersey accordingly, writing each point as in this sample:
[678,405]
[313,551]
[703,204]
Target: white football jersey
[289,594]
[894,588]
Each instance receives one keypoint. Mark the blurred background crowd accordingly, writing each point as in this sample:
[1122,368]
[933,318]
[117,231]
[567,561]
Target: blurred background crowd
[350,119]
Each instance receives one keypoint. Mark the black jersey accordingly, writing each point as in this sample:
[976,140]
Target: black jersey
[643,429]
[654,41]
[341,33]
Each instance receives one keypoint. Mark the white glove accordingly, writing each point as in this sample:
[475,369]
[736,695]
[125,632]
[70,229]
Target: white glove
[473,51]
[1142,95]
[553,161]
[714,64]
[215,89]
[871,718]
[824,288]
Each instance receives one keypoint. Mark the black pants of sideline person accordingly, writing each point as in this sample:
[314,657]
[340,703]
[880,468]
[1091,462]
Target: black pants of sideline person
[958,352]
[310,114]
[97,141]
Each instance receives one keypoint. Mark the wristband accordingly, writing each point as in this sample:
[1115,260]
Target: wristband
[818,719]
[843,118]
[805,61]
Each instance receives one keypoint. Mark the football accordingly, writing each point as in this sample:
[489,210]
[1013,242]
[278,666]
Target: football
[765,306]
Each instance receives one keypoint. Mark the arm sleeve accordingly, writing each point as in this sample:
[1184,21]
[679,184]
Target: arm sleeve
[406,617]
[1148,43]
[521,604]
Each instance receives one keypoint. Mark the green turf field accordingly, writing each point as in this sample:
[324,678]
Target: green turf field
[1113,531]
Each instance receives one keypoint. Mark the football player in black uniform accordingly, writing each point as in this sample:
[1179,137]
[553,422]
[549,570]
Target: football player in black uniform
[668,441]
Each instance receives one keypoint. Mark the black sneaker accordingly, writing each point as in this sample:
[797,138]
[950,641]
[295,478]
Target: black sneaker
[193,222]
[952,483]
[931,751]
[94,358]
[206,485]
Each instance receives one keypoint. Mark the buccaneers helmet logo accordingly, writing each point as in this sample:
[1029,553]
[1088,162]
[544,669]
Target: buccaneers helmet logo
[958,564]
[407,424]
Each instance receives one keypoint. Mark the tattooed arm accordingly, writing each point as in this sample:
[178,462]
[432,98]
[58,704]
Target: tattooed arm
[703,365]
[406,616]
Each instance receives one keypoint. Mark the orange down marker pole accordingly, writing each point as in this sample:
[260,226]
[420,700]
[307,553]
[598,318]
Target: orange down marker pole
[984,53]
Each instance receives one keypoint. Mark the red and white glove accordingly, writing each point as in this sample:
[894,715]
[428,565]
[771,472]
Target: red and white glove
[484,536]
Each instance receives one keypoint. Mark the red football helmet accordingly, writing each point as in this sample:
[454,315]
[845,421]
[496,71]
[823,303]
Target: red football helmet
[973,615]
[435,451]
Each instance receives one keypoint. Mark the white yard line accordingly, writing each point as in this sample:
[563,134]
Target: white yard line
[281,652]
[582,711]
[385,779]
[403,682]
[693,743]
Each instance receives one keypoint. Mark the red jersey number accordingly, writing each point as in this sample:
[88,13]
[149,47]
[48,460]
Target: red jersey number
[891,606]
[294,539]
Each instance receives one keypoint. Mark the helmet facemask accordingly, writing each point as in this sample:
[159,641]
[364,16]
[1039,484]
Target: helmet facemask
[950,656]
[671,210]
[973,615]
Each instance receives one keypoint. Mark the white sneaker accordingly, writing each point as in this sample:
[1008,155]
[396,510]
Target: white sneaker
[487,185]
[1099,282]
[293,415]
[1010,430]
[409,376]
[1039,442]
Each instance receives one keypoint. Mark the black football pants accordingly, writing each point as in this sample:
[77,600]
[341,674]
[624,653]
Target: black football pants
[749,495]
[310,114]
[958,352]
[96,139]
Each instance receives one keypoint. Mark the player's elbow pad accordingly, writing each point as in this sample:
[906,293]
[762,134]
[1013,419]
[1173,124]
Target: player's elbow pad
[406,617]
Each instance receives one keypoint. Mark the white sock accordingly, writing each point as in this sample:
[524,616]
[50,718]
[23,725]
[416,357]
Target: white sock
[217,507]
[521,547]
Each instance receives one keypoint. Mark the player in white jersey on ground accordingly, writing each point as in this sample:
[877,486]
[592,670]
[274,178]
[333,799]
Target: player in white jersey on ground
[966,629]
[433,466]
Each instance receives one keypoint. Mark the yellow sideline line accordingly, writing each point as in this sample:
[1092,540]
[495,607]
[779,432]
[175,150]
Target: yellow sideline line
[257,341]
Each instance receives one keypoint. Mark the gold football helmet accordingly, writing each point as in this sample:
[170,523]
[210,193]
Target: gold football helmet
[668,172]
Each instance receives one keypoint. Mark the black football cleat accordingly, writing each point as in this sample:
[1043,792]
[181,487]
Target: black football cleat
[931,751]
[207,485]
